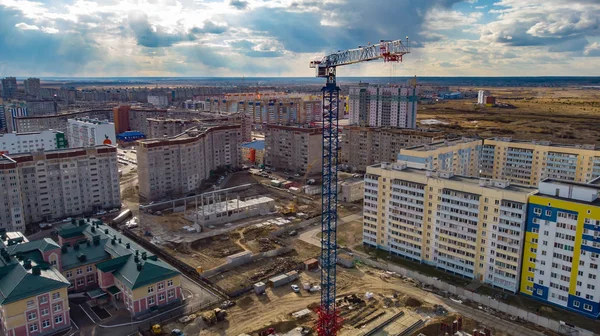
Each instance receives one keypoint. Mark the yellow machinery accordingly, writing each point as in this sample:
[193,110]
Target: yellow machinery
[156,329]
[290,209]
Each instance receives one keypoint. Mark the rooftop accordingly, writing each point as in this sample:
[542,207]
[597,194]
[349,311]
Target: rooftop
[440,144]
[544,143]
[256,144]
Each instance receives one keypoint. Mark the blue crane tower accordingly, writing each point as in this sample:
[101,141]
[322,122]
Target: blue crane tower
[329,321]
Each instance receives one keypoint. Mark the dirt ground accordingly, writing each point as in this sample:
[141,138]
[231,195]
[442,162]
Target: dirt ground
[562,115]
[468,325]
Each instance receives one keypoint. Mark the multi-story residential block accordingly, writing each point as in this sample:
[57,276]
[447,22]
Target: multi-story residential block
[41,107]
[253,152]
[366,146]
[165,128]
[395,106]
[9,87]
[294,149]
[86,132]
[32,87]
[481,96]
[562,246]
[12,112]
[159,101]
[459,156]
[463,225]
[58,122]
[34,297]
[528,163]
[180,164]
[3,122]
[13,143]
[50,185]
[121,118]
[111,268]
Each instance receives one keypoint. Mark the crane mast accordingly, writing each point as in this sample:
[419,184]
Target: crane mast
[329,321]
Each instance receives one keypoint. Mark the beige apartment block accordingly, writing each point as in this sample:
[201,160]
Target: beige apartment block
[51,185]
[529,162]
[58,122]
[459,156]
[180,164]
[467,226]
[294,149]
[366,146]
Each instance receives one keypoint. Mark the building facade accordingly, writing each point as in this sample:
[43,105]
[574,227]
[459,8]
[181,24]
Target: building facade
[86,132]
[180,164]
[461,156]
[466,226]
[9,87]
[13,143]
[529,162]
[51,185]
[11,113]
[365,146]
[166,128]
[562,246]
[395,106]
[481,96]
[41,107]
[58,122]
[32,87]
[159,101]
[294,149]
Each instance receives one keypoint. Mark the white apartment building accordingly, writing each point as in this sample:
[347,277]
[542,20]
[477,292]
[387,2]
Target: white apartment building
[159,101]
[51,185]
[394,106]
[466,226]
[86,132]
[180,164]
[294,149]
[481,96]
[13,143]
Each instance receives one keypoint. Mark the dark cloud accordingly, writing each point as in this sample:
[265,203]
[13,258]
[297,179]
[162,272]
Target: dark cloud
[30,52]
[239,4]
[213,58]
[155,36]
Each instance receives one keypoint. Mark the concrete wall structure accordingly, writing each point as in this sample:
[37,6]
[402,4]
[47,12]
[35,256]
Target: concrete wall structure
[294,149]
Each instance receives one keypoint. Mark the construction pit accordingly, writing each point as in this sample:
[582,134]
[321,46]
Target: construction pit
[370,302]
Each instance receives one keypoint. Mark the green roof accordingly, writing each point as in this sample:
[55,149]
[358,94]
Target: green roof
[93,253]
[42,245]
[17,283]
[113,290]
[96,293]
[71,230]
[152,271]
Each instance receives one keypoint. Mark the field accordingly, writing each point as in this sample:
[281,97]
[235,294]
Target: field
[562,115]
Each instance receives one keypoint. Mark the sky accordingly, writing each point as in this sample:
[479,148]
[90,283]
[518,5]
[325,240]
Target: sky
[223,38]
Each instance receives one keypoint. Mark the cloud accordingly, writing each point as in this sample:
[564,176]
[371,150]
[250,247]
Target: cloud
[25,26]
[592,50]
[153,36]
[209,27]
[239,4]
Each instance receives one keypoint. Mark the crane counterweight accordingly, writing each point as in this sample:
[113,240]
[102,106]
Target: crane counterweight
[329,321]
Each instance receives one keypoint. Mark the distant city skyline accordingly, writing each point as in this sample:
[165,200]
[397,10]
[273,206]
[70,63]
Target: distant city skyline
[256,38]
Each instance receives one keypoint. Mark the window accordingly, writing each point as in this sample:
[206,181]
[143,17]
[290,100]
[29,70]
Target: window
[576,304]
[537,211]
[80,282]
[592,287]
[540,292]
[43,299]
[89,269]
[592,276]
[171,293]
[150,289]
[91,278]
[587,307]
[55,296]
[161,297]
[33,328]
[79,271]
[69,274]
[44,311]
[31,316]
[30,303]
[45,323]
[57,307]
[58,319]
[151,301]
[161,286]
[170,283]
[548,213]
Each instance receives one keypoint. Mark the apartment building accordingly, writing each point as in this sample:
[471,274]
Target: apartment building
[180,164]
[165,128]
[34,297]
[294,149]
[463,225]
[109,267]
[365,146]
[32,87]
[12,112]
[9,87]
[373,105]
[86,132]
[529,162]
[562,246]
[59,122]
[253,152]
[159,101]
[459,156]
[51,185]
[13,143]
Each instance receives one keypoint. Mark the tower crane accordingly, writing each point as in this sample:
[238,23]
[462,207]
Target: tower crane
[329,321]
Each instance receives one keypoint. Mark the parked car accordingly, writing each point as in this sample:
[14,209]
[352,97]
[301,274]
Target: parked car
[296,289]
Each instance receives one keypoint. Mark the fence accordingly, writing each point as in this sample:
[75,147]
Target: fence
[481,299]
